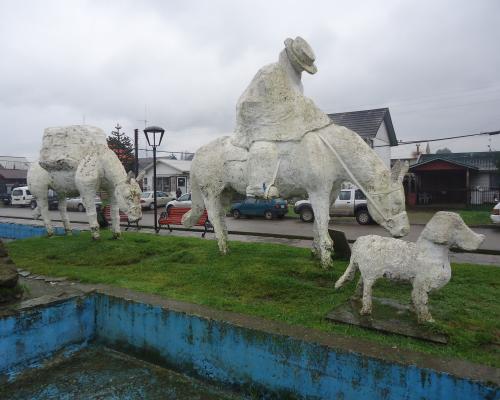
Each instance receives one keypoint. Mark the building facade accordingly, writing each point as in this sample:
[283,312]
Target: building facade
[455,178]
[170,175]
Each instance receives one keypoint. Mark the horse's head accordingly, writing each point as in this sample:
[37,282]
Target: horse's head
[387,203]
[128,196]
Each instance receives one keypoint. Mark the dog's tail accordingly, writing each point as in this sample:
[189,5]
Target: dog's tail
[348,274]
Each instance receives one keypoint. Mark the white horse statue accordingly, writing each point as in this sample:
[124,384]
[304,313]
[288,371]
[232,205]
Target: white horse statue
[316,165]
[76,160]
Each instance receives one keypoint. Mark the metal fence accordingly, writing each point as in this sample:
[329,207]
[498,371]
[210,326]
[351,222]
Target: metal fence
[473,198]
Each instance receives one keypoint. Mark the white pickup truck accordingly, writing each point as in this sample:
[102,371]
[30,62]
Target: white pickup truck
[349,203]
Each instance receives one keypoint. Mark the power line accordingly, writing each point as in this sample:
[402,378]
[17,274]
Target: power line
[445,138]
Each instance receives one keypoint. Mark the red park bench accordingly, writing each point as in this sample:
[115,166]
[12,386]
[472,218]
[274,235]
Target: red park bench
[173,216]
[106,211]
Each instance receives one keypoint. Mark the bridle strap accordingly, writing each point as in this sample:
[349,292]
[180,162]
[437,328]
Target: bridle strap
[353,178]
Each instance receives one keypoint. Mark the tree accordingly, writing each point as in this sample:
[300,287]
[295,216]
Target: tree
[445,150]
[122,147]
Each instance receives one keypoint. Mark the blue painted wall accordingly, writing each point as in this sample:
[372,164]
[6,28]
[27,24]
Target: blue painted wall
[37,333]
[20,231]
[253,359]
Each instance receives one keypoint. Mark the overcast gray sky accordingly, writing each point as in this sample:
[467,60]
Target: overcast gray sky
[435,64]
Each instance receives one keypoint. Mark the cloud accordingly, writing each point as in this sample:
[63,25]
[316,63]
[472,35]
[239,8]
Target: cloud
[435,64]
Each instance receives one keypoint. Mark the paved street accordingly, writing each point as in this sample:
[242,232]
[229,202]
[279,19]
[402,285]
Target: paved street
[286,226]
[291,226]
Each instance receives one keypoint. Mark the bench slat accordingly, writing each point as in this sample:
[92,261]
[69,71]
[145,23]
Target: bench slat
[175,214]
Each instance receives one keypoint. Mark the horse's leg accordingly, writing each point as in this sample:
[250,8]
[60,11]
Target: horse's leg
[217,218]
[42,208]
[88,200]
[322,245]
[86,181]
[64,213]
[115,217]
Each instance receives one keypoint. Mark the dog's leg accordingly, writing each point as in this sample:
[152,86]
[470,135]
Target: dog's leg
[420,298]
[359,289]
[367,297]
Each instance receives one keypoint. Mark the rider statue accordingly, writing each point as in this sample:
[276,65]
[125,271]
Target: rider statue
[273,109]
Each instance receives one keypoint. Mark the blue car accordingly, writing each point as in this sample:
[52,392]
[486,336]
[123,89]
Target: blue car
[252,207]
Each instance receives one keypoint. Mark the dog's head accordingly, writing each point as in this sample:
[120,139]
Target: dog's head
[448,228]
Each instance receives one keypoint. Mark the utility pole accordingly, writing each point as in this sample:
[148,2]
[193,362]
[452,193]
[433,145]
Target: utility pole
[136,151]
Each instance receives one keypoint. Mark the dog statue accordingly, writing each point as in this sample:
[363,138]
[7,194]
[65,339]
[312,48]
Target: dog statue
[425,264]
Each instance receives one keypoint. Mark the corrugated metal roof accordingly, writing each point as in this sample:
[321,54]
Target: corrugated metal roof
[482,160]
[366,123]
[13,173]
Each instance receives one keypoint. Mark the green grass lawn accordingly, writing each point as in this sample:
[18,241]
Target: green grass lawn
[476,217]
[273,281]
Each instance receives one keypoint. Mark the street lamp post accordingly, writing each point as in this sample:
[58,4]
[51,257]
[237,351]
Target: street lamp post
[154,135]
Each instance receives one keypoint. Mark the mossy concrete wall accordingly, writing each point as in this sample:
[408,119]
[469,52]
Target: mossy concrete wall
[262,362]
[269,360]
[20,231]
[31,334]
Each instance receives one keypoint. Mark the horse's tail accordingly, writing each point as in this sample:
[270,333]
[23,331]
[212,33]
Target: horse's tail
[349,274]
[197,205]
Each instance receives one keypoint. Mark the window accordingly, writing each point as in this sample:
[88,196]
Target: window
[185,197]
[163,183]
[28,193]
[345,195]
[359,195]
[250,200]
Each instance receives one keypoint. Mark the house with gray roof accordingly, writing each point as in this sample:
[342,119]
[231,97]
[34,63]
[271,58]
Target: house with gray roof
[374,126]
[170,174]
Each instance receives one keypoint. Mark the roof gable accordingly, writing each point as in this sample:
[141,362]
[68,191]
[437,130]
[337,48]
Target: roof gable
[440,164]
[366,123]
[481,160]
[183,166]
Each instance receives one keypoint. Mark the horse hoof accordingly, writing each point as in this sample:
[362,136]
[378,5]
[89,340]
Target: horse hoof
[116,236]
[96,237]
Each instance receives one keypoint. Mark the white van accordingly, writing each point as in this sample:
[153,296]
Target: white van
[21,196]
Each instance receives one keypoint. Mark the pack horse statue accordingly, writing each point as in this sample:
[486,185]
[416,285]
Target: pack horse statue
[76,160]
[284,145]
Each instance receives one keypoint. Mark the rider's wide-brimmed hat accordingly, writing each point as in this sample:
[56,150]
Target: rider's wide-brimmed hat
[300,52]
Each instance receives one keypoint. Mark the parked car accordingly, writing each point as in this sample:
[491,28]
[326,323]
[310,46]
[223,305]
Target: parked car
[269,209]
[183,201]
[76,203]
[495,214]
[4,196]
[162,198]
[21,196]
[349,203]
[52,199]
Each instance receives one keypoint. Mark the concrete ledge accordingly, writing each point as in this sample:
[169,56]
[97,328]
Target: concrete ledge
[249,352]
